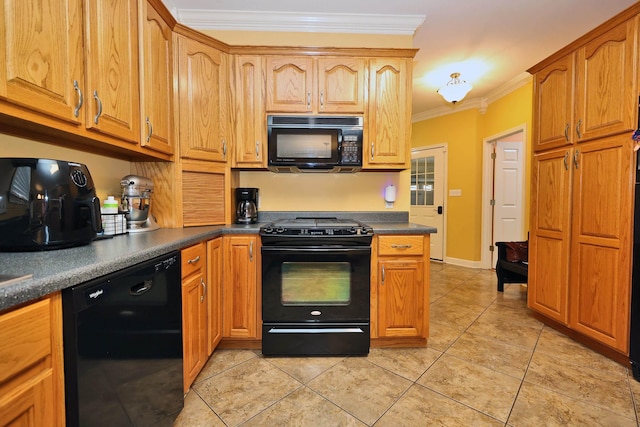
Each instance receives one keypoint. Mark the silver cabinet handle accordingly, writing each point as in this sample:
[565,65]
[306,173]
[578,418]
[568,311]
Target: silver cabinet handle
[322,100]
[309,100]
[224,147]
[251,251]
[257,150]
[150,129]
[566,161]
[76,111]
[194,260]
[578,128]
[204,289]
[373,149]
[566,132]
[395,246]
[576,159]
[382,276]
[95,96]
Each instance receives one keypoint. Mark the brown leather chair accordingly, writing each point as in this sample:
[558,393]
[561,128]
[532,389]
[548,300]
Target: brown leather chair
[512,265]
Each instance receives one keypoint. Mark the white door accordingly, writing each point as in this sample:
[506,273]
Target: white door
[427,194]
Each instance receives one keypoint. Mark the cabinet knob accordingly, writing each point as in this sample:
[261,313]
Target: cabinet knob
[194,260]
[76,111]
[150,126]
[97,116]
[382,276]
[204,289]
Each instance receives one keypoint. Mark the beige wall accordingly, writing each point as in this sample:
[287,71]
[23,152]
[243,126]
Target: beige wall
[105,171]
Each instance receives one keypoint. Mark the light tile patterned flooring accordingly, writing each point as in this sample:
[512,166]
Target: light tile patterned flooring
[488,362]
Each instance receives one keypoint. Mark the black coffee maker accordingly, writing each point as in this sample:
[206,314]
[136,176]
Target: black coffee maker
[246,205]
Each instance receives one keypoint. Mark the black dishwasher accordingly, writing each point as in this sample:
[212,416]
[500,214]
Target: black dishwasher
[123,347]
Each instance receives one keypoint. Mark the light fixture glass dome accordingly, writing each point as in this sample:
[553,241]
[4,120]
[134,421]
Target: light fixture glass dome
[455,90]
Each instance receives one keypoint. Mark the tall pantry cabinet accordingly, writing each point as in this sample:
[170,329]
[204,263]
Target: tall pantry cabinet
[585,105]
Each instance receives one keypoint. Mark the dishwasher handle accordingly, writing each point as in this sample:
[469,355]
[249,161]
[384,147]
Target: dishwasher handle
[141,288]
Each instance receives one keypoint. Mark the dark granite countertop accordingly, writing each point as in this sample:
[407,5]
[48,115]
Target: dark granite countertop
[52,271]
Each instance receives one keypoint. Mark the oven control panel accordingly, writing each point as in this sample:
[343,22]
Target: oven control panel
[340,231]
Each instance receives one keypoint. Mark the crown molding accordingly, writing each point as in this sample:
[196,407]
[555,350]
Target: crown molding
[480,103]
[299,22]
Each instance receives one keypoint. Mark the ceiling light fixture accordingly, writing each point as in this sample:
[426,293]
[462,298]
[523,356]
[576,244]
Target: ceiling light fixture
[455,89]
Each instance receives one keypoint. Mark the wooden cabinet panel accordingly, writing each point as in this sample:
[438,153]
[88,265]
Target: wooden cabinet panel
[290,84]
[156,80]
[214,293]
[601,243]
[41,54]
[606,96]
[250,120]
[341,85]
[203,198]
[400,245]
[203,104]
[240,287]
[553,105]
[387,142]
[31,366]
[111,67]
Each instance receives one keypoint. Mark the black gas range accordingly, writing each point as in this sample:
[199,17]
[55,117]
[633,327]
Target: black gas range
[315,287]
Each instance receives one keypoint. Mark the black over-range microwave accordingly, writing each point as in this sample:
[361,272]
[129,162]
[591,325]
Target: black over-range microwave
[315,143]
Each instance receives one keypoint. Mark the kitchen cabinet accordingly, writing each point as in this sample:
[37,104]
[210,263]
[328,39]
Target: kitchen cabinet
[156,79]
[194,311]
[202,101]
[241,287]
[214,294]
[31,364]
[590,92]
[304,84]
[250,141]
[585,107]
[111,68]
[42,56]
[387,135]
[400,288]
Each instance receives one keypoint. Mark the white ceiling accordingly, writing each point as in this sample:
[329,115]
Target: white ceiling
[490,42]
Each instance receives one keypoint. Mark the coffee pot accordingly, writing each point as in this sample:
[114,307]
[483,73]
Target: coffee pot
[246,205]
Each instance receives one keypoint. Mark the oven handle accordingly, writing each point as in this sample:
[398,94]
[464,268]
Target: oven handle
[315,330]
[298,249]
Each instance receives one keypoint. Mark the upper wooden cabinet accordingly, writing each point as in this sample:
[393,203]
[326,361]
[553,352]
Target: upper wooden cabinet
[42,57]
[588,93]
[203,102]
[306,84]
[250,122]
[156,80]
[387,139]
[111,66]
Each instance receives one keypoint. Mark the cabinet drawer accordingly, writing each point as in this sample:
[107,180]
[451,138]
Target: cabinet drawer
[193,259]
[25,334]
[400,245]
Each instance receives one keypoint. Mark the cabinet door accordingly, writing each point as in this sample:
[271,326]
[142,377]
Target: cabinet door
[553,105]
[601,243]
[41,56]
[111,65]
[606,100]
[240,304]
[341,85]
[400,298]
[250,119]
[388,132]
[290,84]
[549,238]
[156,81]
[194,327]
[214,293]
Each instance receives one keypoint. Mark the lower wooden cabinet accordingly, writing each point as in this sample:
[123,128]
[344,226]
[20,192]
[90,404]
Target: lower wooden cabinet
[400,289]
[241,287]
[214,293]
[31,367]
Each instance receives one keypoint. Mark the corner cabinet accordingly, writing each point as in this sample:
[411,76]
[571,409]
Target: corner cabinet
[400,290]
[31,365]
[241,287]
[387,137]
[582,185]
[202,101]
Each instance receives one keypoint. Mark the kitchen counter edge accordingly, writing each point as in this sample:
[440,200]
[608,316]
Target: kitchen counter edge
[55,270]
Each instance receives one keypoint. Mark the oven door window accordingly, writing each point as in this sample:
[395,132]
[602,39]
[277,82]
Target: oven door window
[316,283]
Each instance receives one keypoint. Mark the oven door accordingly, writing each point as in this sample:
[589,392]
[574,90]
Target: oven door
[311,285]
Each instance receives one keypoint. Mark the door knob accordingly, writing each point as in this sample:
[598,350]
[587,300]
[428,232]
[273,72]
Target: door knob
[440,210]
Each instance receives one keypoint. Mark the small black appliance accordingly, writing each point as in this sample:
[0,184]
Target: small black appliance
[246,205]
[46,204]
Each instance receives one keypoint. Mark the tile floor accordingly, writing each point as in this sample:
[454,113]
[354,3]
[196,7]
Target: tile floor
[488,362]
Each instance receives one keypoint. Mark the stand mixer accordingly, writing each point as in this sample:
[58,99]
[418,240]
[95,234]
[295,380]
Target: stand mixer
[136,201]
